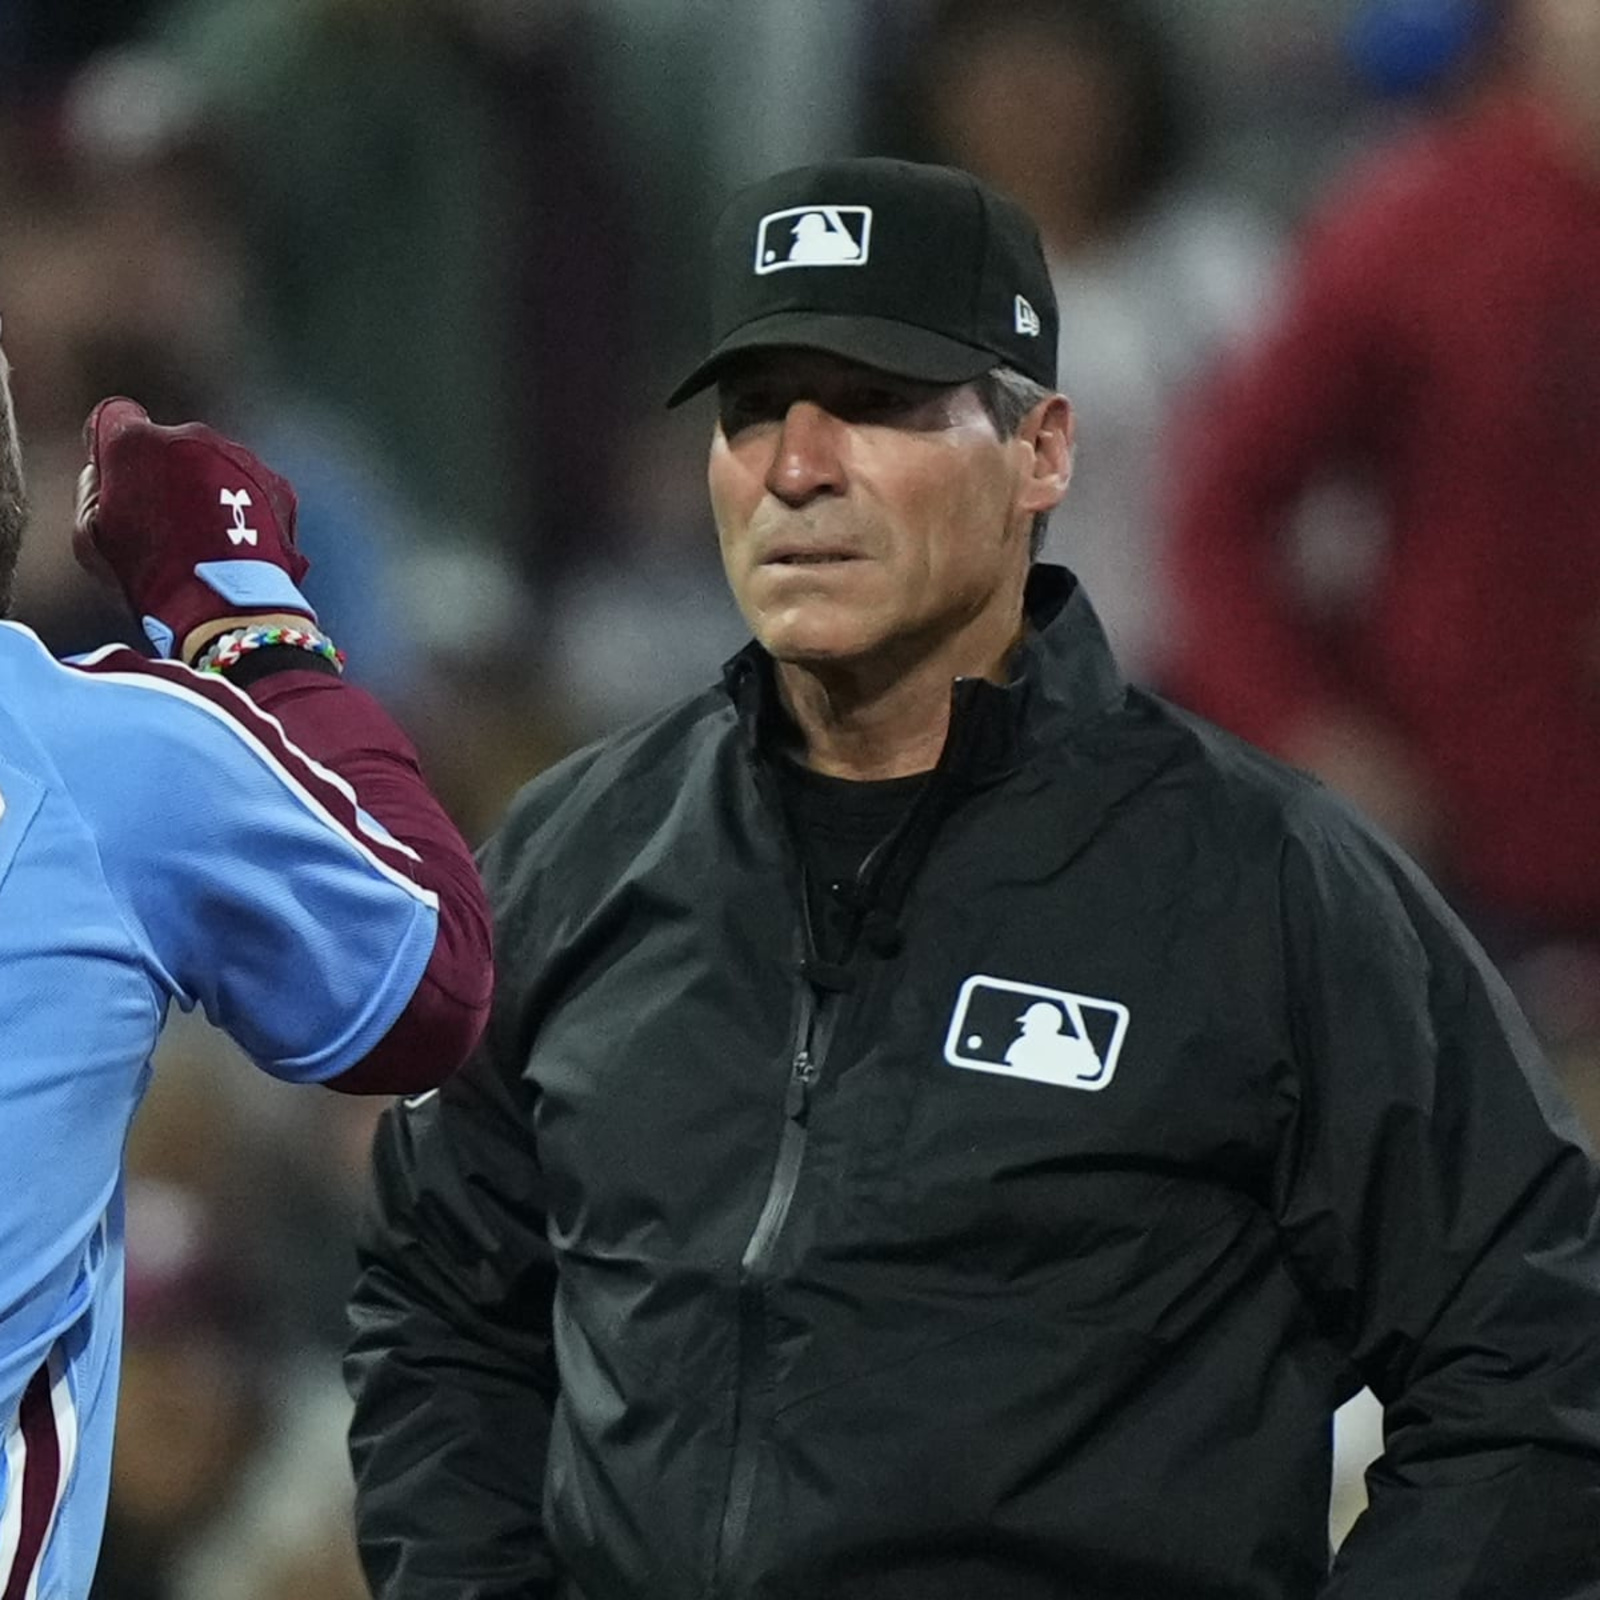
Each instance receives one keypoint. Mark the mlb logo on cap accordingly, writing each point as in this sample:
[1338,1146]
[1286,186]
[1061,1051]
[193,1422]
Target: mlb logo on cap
[814,236]
[948,277]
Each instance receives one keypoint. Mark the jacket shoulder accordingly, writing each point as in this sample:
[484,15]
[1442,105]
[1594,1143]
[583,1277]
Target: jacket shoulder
[1323,851]
[1215,764]
[1249,791]
[611,790]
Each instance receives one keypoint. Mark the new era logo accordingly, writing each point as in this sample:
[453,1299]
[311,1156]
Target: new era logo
[1018,1030]
[814,236]
[1027,319]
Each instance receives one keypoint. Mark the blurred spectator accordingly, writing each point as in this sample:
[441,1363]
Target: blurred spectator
[635,632]
[230,1480]
[439,244]
[277,1175]
[1412,49]
[372,197]
[1442,345]
[123,273]
[43,43]
[287,1531]
[1153,274]
[126,269]
[191,1405]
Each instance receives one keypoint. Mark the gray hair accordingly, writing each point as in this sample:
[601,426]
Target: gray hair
[1007,397]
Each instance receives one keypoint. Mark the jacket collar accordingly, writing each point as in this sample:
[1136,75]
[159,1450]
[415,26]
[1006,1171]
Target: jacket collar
[1062,675]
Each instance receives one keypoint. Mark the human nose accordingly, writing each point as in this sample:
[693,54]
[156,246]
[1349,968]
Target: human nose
[806,461]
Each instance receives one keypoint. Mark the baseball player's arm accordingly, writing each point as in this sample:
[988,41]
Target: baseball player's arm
[263,889]
[304,823]
[1439,1206]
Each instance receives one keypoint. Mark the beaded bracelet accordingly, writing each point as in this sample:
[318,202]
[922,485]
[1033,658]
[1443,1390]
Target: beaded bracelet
[225,650]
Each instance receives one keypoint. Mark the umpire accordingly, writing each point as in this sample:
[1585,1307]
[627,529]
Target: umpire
[755,1255]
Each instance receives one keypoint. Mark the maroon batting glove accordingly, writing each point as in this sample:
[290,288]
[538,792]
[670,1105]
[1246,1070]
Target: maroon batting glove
[188,524]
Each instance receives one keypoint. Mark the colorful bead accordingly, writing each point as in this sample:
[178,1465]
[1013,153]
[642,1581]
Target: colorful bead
[225,651]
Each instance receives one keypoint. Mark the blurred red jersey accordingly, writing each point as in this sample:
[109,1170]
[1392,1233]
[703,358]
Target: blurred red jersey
[1442,339]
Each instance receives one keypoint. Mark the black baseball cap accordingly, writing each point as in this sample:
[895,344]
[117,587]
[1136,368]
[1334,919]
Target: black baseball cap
[917,270]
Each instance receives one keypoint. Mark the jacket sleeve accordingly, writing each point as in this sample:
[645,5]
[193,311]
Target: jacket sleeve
[1439,1205]
[450,1361]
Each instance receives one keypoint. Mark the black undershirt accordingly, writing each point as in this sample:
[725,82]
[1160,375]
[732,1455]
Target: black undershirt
[837,822]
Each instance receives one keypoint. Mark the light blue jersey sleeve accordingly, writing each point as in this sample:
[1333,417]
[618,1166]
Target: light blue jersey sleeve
[246,872]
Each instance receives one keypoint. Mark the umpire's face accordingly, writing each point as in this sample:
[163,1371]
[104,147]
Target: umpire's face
[869,521]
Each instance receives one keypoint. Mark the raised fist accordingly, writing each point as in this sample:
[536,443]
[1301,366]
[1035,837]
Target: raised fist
[189,525]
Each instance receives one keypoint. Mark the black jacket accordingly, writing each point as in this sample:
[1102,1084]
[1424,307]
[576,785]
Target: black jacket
[718,1275]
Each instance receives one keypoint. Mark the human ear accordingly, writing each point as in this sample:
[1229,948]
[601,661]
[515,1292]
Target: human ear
[1048,431]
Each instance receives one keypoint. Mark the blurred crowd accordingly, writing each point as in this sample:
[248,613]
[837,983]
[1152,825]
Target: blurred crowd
[1330,319]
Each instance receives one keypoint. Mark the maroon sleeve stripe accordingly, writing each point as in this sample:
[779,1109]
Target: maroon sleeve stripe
[325,791]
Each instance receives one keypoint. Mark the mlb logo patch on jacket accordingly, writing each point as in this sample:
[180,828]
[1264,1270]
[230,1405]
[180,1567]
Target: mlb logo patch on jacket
[1020,1030]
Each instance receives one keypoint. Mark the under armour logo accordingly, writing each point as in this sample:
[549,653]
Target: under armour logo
[1028,323]
[238,499]
[814,236]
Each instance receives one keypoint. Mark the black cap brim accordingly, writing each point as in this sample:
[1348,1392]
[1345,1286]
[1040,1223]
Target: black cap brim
[896,347]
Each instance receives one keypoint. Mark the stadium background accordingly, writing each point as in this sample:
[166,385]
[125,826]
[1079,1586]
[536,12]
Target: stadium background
[438,260]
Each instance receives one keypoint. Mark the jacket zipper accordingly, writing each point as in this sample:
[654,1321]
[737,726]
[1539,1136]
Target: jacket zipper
[813,1030]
